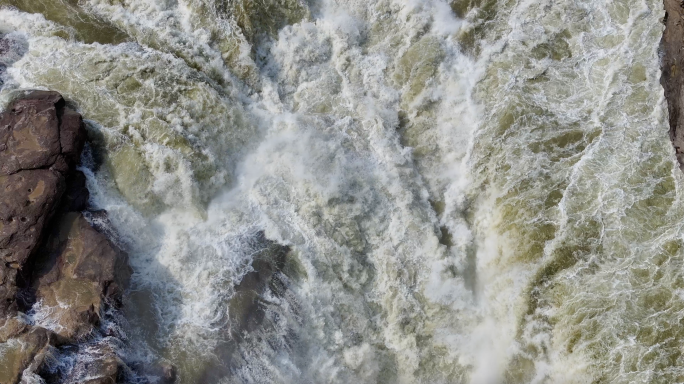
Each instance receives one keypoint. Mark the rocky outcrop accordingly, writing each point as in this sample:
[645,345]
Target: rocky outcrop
[672,66]
[75,271]
[54,262]
[25,352]
[103,367]
[40,142]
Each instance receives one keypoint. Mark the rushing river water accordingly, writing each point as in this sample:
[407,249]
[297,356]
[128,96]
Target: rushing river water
[477,192]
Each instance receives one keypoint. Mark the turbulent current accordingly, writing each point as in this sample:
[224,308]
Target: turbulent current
[386,191]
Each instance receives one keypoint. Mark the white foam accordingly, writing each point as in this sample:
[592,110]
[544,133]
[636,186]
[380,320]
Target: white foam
[311,150]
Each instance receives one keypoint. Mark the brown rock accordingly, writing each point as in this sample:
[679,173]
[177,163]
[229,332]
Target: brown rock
[30,134]
[104,367]
[28,200]
[25,353]
[77,270]
[40,141]
[11,328]
[672,66]
[49,253]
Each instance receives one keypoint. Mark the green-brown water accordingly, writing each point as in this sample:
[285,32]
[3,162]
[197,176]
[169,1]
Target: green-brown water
[471,192]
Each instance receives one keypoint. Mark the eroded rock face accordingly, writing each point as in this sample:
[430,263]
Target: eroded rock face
[28,201]
[29,138]
[53,261]
[25,352]
[672,66]
[76,271]
[35,161]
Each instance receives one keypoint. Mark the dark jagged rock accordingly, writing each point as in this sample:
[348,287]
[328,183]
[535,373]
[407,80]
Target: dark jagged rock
[672,66]
[28,201]
[35,160]
[41,132]
[78,266]
[51,255]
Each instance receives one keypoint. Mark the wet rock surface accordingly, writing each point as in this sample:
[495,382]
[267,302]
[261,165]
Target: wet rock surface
[672,65]
[25,353]
[248,307]
[104,368]
[55,264]
[76,270]
[28,201]
[33,172]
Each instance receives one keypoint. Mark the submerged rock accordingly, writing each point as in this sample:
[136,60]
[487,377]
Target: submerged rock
[247,307]
[54,262]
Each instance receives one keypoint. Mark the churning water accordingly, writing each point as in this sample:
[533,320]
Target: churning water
[475,192]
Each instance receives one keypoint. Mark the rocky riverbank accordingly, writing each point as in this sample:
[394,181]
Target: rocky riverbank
[58,274]
[672,64]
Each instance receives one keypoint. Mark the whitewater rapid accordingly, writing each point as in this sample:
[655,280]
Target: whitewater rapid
[470,192]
